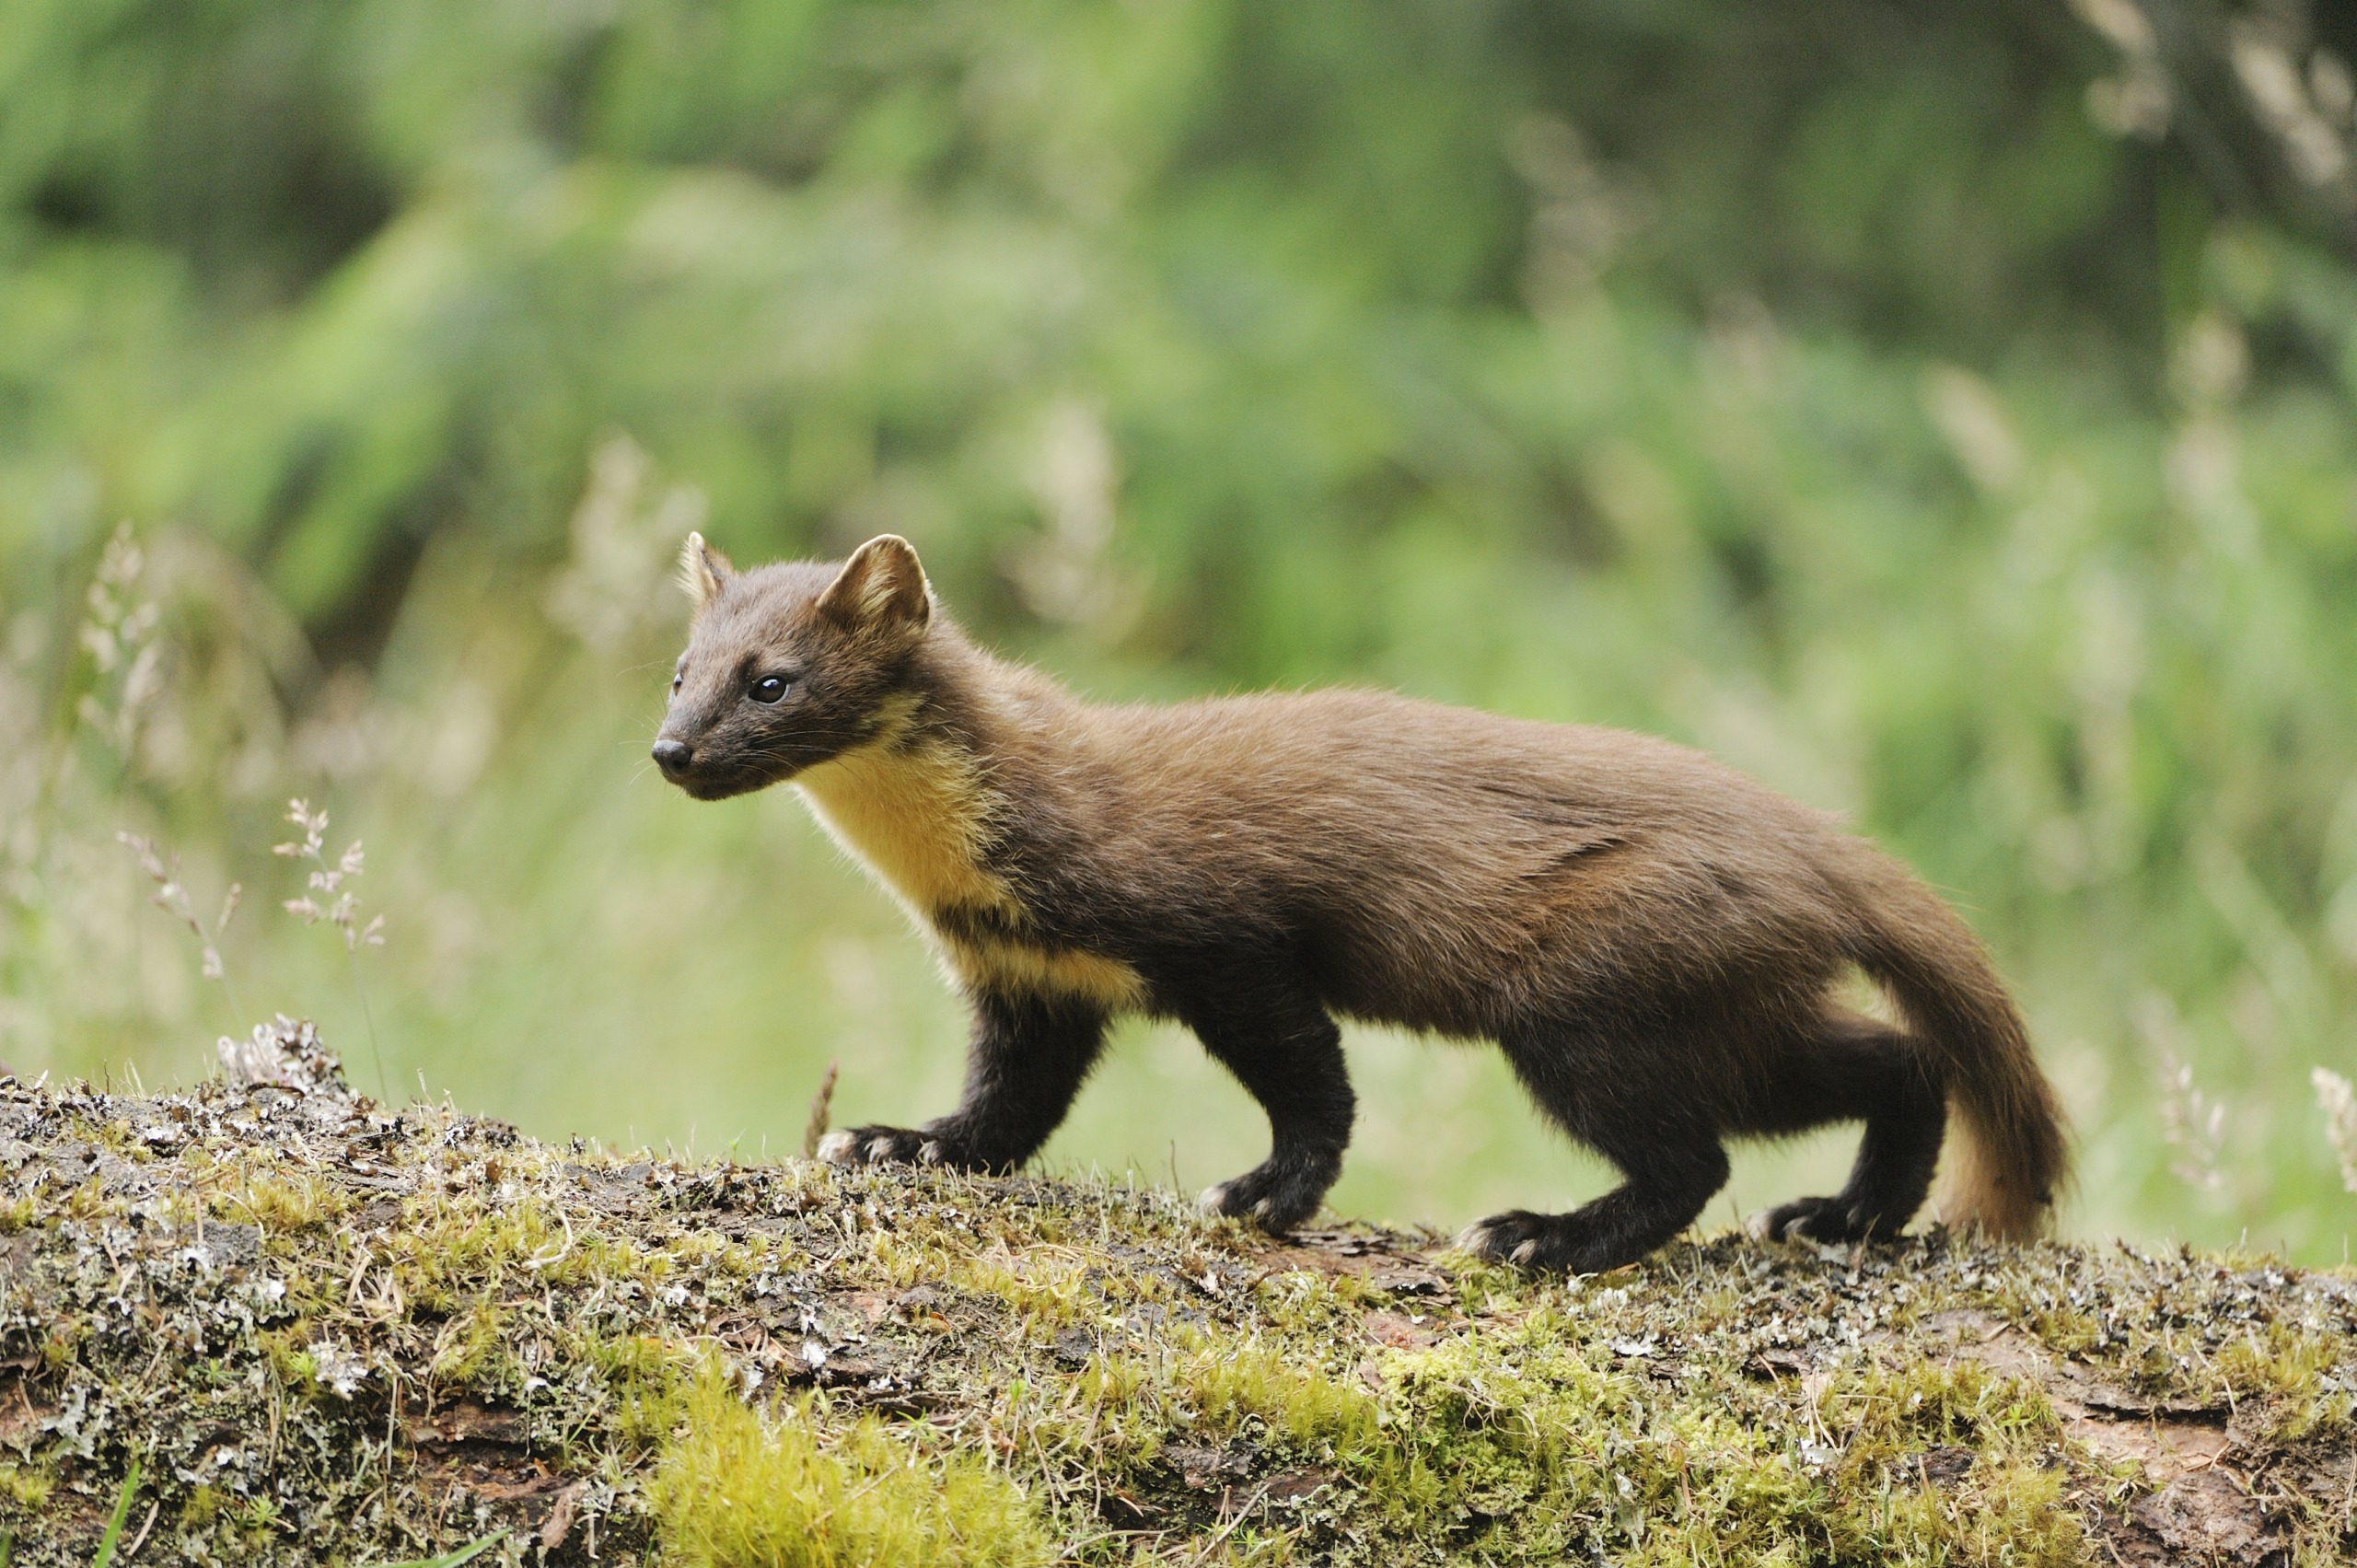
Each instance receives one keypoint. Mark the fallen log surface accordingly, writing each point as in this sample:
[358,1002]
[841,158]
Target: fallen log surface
[328,1330]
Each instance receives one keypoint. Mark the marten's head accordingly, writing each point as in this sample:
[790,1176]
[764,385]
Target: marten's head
[790,664]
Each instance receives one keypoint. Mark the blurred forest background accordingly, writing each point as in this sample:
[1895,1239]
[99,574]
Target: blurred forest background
[1943,412]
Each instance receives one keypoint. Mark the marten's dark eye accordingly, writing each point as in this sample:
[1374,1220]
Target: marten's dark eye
[678,680]
[767,689]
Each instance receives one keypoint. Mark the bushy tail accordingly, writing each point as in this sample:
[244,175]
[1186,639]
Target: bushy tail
[2012,1162]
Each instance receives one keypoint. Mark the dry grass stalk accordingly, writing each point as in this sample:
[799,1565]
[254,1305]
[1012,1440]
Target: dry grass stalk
[2193,1125]
[2339,1100]
[821,1106]
[119,634]
[342,909]
[342,906]
[171,897]
[613,589]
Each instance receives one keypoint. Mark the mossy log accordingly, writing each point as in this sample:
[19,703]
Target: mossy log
[327,1330]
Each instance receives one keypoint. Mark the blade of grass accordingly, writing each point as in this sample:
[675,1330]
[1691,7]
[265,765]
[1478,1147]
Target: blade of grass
[114,1525]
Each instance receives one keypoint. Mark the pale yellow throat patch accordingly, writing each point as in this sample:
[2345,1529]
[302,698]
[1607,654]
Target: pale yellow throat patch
[917,817]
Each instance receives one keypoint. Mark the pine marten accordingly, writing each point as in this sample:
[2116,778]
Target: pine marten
[1653,940]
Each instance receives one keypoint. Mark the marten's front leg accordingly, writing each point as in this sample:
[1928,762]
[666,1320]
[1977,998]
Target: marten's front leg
[1282,1046]
[1027,1061]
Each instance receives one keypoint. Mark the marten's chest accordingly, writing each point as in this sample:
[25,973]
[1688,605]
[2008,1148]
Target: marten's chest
[920,818]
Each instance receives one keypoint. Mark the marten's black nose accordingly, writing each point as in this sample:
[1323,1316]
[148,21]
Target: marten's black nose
[673,755]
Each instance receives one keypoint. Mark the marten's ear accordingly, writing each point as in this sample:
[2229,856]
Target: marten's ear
[882,586]
[704,571]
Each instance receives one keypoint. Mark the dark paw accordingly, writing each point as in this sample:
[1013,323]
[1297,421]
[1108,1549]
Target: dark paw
[1832,1220]
[1275,1196]
[893,1146]
[1557,1243]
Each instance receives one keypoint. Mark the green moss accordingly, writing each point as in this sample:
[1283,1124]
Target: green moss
[203,1505]
[281,1202]
[23,1488]
[2293,1372]
[454,1244]
[62,1343]
[1049,1290]
[741,1490]
[646,1379]
[469,1353]
[1230,1380]
[1886,1411]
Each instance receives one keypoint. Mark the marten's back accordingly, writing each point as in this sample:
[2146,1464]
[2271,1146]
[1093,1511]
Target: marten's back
[1437,865]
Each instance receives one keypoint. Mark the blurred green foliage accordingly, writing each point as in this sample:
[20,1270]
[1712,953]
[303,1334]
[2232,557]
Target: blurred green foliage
[1887,397]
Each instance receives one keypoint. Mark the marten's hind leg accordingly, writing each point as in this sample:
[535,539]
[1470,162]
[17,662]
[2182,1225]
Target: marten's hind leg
[1672,1161]
[1284,1048]
[1854,1066]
